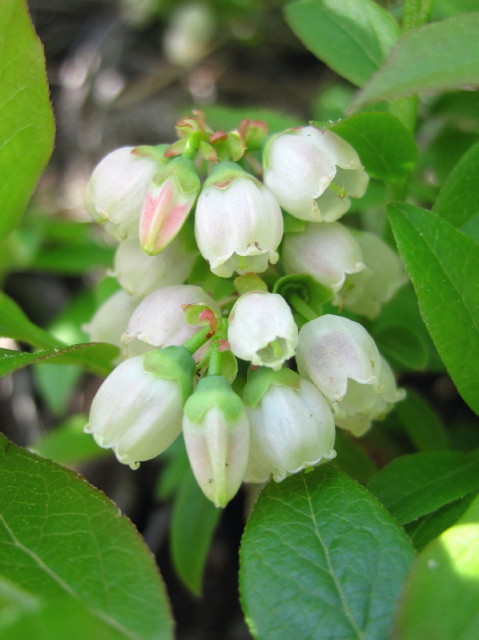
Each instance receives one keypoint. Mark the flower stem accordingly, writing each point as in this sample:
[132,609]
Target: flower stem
[302,307]
[197,340]
[214,366]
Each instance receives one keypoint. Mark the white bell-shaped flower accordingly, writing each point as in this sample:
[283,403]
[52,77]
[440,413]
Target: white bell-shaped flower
[313,173]
[292,427]
[327,251]
[216,433]
[365,292]
[138,409]
[261,329]
[159,321]
[342,360]
[111,318]
[117,189]
[238,223]
[140,274]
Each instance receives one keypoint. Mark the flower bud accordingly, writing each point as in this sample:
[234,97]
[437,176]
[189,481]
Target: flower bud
[117,188]
[169,199]
[261,329]
[111,318]
[158,321]
[291,424]
[140,274]
[216,433]
[342,360]
[138,409]
[238,223]
[365,292]
[327,251]
[312,173]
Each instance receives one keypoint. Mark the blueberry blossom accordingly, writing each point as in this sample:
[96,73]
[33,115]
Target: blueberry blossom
[141,274]
[138,409]
[238,223]
[327,251]
[159,320]
[342,360]
[111,318]
[216,433]
[313,173]
[261,329]
[291,424]
[365,292]
[117,189]
[168,201]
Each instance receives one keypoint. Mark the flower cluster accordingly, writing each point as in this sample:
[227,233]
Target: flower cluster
[254,371]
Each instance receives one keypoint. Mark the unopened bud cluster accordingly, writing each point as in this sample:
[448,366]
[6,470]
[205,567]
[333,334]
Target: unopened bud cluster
[197,221]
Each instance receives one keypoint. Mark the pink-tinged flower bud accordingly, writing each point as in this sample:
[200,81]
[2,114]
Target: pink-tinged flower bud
[238,223]
[291,424]
[216,433]
[117,188]
[169,199]
[159,320]
[138,409]
[313,173]
[261,329]
[342,360]
[365,292]
[327,251]
[111,318]
[140,274]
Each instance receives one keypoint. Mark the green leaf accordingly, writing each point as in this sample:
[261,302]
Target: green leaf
[442,589]
[386,148]
[458,200]
[430,526]
[421,423]
[56,385]
[68,444]
[15,324]
[435,57]
[402,346]
[352,458]
[62,540]
[193,523]
[26,119]
[443,264]
[353,37]
[96,357]
[320,558]
[416,484]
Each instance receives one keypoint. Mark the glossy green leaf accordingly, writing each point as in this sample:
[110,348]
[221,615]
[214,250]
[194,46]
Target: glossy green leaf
[68,444]
[435,57]
[416,484]
[422,531]
[193,523]
[96,357]
[61,539]
[443,264]
[386,148]
[320,558]
[352,458]
[353,37]
[458,200]
[56,385]
[15,324]
[421,423]
[26,119]
[442,589]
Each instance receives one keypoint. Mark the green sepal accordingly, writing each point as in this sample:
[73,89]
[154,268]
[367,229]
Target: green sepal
[248,283]
[184,171]
[172,363]
[192,313]
[313,294]
[156,152]
[223,174]
[213,391]
[229,146]
[260,379]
